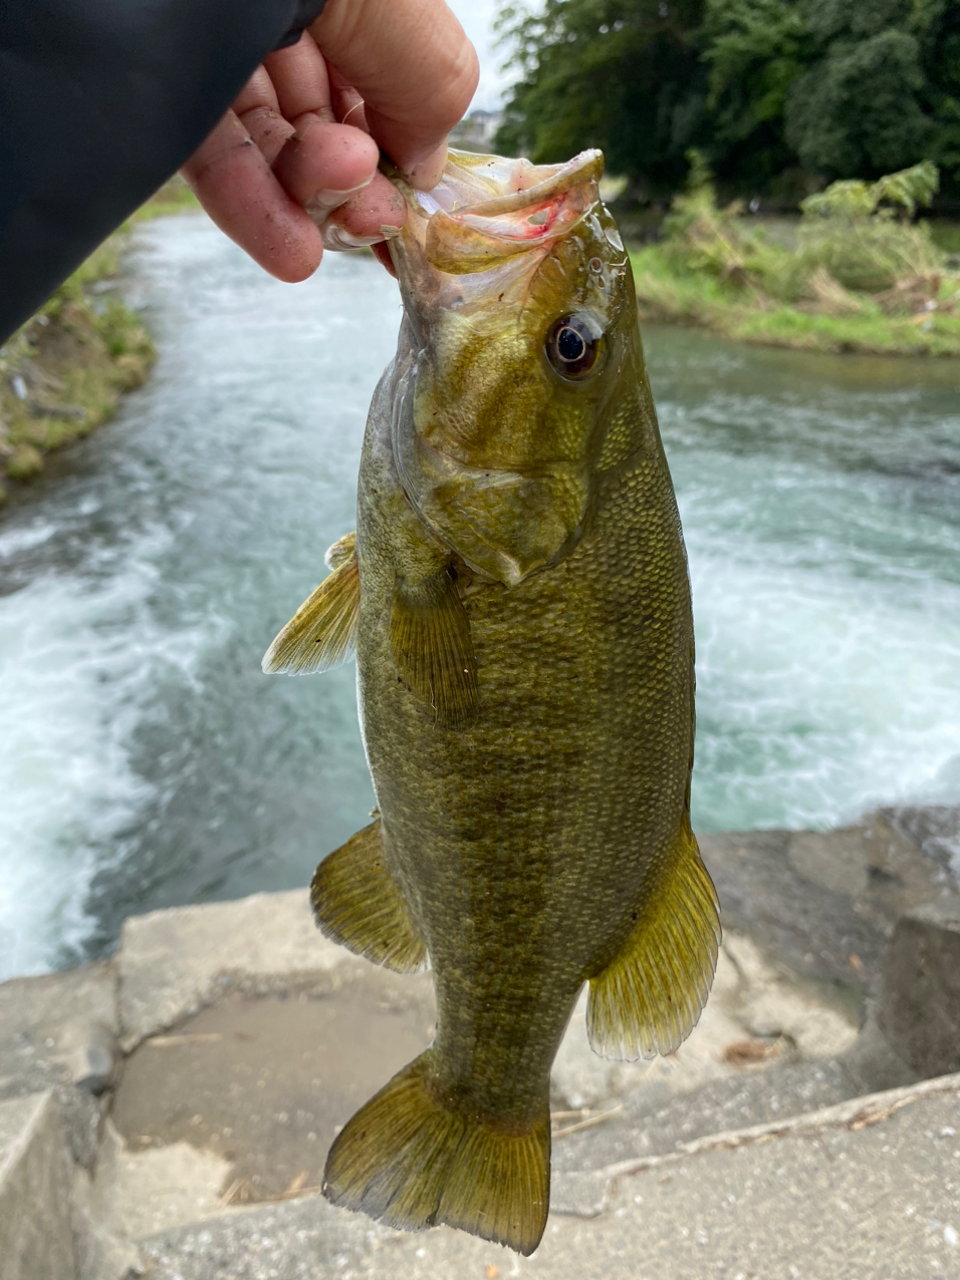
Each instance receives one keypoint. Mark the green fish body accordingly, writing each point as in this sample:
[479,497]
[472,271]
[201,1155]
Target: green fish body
[518,598]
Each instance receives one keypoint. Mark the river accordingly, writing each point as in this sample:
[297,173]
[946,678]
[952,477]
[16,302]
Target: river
[145,761]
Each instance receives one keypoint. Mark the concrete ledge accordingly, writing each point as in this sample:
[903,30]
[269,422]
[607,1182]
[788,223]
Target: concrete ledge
[36,1229]
[867,1190]
[171,962]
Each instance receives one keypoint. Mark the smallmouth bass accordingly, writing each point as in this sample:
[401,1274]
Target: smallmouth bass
[517,596]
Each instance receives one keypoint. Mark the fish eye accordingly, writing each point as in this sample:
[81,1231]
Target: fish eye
[573,346]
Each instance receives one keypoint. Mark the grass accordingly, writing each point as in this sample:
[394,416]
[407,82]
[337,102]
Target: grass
[858,276]
[670,295]
[64,371]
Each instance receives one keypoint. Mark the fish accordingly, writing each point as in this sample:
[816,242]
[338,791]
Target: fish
[517,597]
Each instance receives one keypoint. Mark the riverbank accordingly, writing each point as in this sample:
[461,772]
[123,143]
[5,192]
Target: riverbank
[854,274]
[839,321]
[64,371]
[168,1111]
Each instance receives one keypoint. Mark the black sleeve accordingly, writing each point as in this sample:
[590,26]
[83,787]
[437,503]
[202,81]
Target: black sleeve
[100,102]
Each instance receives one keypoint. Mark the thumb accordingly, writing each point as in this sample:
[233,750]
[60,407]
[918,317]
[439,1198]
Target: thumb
[415,69]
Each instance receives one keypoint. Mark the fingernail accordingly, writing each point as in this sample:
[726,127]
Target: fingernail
[328,198]
[336,237]
[424,173]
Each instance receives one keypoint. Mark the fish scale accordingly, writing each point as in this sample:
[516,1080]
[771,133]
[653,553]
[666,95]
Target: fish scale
[519,603]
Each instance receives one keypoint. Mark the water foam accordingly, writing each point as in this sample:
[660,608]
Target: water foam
[75,655]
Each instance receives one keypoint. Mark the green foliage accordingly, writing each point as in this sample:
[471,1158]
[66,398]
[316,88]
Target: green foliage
[852,230]
[858,110]
[861,277]
[623,75]
[754,50]
[855,200]
[777,94]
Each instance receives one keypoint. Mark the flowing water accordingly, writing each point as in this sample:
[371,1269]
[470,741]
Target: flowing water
[146,761]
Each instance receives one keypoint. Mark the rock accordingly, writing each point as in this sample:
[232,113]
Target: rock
[137,1193]
[934,830]
[94,1061]
[36,1232]
[867,1188]
[919,1006]
[173,962]
[824,904]
[54,1031]
[802,924]
[101,1254]
[646,1126]
[871,1064]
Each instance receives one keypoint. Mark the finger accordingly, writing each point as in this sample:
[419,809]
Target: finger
[257,92]
[258,109]
[366,216]
[348,106]
[414,68]
[238,189]
[299,76]
[323,164]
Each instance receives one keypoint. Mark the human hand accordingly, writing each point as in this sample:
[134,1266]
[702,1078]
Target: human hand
[293,165]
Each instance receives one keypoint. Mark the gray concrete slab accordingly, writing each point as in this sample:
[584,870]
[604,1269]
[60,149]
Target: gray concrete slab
[264,1082]
[919,1002]
[59,1031]
[267,1082]
[173,962]
[36,1229]
[647,1126]
[868,1190]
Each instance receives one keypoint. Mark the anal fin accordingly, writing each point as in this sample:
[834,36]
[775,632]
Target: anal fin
[357,903]
[649,998]
[431,645]
[323,631]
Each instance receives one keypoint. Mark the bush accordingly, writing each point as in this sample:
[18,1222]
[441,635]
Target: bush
[860,232]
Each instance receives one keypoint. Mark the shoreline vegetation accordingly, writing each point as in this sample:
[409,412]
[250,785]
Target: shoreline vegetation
[855,275]
[64,371]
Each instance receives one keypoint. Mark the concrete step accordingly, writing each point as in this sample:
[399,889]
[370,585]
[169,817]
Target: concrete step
[35,1169]
[865,1190]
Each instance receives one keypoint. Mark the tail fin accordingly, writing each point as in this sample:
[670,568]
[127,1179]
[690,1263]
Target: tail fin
[412,1161]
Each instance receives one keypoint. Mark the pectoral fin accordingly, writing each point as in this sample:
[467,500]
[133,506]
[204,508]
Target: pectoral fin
[357,903]
[430,642]
[648,1000]
[322,633]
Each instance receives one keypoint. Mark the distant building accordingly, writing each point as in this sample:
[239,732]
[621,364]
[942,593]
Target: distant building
[476,131]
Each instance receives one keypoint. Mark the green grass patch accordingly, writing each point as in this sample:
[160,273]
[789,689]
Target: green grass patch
[860,276]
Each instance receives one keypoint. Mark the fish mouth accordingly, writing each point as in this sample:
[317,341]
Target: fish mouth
[486,211]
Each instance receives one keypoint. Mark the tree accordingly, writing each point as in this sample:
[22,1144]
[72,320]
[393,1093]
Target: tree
[762,88]
[755,50]
[884,91]
[624,75]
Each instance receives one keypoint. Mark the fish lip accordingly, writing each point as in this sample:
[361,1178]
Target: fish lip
[467,222]
[557,180]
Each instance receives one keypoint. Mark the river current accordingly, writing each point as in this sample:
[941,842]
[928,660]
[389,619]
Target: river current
[145,761]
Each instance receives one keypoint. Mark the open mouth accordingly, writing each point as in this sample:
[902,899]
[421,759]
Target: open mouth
[487,209]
